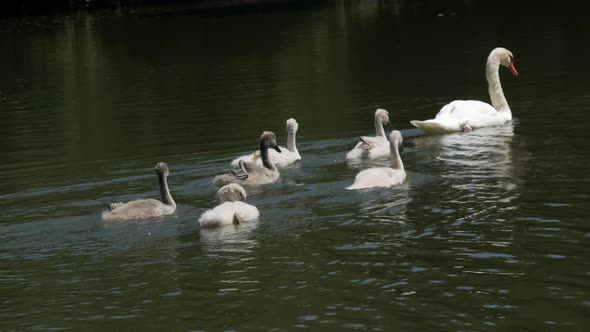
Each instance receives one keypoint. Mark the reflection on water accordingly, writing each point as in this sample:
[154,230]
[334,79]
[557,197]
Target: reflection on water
[387,203]
[480,179]
[229,239]
[480,166]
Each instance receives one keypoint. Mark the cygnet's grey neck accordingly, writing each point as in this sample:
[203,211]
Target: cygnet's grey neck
[164,191]
[379,127]
[494,86]
[396,160]
[264,156]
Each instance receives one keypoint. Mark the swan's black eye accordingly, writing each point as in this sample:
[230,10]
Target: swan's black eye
[511,59]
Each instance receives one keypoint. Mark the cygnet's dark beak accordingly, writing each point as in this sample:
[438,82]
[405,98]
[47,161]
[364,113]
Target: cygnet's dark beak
[276,147]
[400,148]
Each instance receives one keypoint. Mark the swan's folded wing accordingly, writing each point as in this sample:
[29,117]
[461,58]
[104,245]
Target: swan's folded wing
[238,174]
[367,143]
[241,173]
[465,110]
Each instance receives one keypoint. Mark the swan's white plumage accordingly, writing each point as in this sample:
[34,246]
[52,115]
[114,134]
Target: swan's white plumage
[378,177]
[380,149]
[282,159]
[383,176]
[288,155]
[223,214]
[466,115]
[378,144]
[463,115]
[232,208]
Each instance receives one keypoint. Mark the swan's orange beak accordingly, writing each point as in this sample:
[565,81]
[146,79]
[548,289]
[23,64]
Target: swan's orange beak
[513,69]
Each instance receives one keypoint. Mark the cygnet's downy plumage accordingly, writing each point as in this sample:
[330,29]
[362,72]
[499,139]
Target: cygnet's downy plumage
[145,208]
[373,147]
[287,156]
[254,174]
[232,209]
[384,176]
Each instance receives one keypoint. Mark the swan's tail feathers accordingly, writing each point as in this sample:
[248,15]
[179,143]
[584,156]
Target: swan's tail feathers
[465,127]
[236,219]
[428,127]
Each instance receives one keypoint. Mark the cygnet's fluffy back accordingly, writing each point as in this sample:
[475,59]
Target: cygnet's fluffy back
[232,210]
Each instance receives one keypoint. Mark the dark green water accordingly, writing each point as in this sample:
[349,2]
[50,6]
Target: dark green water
[489,232]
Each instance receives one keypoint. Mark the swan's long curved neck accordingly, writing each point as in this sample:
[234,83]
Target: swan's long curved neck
[264,156]
[164,191]
[291,141]
[494,87]
[396,160]
[379,127]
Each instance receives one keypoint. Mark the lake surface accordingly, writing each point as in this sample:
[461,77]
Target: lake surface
[490,231]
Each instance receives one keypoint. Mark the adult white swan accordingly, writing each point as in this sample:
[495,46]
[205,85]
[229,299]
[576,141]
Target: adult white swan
[232,208]
[384,176]
[253,174]
[145,208]
[287,155]
[373,147]
[466,115]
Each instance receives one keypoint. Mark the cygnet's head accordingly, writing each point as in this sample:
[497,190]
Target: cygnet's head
[231,193]
[292,125]
[162,168]
[396,138]
[505,57]
[382,116]
[269,141]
